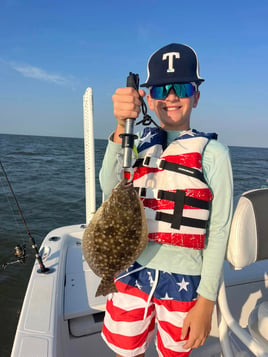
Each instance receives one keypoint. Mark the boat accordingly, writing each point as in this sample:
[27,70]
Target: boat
[61,317]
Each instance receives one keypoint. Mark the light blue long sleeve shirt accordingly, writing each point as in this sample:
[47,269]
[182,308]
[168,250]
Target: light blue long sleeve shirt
[209,261]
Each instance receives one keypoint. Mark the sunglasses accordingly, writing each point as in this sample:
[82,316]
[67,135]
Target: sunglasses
[182,90]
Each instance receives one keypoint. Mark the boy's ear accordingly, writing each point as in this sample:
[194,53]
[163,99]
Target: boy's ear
[196,99]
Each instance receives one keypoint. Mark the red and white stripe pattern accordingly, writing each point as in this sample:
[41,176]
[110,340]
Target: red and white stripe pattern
[187,152]
[124,329]
[128,332]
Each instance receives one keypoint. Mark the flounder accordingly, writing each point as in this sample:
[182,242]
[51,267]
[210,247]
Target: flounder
[116,236]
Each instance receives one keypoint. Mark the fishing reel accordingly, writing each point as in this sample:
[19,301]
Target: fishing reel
[19,253]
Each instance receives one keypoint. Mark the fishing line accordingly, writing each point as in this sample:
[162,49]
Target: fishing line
[20,251]
[12,209]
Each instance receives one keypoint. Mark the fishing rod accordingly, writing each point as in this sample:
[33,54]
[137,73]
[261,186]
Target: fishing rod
[128,137]
[20,251]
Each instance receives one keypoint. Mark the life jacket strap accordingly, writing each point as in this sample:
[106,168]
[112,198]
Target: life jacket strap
[162,164]
[176,221]
[144,192]
[189,201]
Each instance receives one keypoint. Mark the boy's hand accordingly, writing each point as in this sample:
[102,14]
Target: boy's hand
[197,323]
[127,104]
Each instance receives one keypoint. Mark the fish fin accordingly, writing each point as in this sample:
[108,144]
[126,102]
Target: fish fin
[106,287]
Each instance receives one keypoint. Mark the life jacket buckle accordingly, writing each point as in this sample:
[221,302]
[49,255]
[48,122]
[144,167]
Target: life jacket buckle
[161,163]
[146,161]
[153,162]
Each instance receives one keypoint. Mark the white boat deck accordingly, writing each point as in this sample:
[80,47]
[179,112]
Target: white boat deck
[63,318]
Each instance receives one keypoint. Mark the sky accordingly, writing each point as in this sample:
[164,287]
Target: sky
[52,50]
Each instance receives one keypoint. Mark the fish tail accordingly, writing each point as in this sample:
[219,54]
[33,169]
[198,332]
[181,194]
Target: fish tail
[106,287]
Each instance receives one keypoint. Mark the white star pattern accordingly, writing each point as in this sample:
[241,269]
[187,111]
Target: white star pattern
[146,137]
[166,297]
[150,278]
[138,285]
[183,285]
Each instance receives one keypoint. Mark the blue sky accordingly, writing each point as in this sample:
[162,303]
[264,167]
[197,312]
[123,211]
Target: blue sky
[52,50]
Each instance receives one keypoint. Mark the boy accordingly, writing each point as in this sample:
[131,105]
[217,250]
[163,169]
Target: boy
[184,178]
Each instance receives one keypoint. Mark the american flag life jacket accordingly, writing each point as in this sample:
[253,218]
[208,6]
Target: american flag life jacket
[171,184]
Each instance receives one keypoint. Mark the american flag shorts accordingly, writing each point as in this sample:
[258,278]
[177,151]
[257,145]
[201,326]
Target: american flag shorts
[147,297]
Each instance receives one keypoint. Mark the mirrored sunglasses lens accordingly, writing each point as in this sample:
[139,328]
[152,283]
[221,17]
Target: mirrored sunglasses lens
[158,92]
[182,90]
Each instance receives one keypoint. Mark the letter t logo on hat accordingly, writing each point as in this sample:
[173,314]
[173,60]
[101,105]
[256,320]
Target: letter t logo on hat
[174,63]
[170,56]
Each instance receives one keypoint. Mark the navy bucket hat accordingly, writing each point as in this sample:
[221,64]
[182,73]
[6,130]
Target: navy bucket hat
[174,63]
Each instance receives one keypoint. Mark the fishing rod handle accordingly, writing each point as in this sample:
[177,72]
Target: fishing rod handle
[128,143]
[128,137]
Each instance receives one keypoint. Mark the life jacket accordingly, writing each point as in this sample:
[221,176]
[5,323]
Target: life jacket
[171,184]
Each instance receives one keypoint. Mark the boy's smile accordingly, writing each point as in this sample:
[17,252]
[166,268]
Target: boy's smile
[174,112]
[171,108]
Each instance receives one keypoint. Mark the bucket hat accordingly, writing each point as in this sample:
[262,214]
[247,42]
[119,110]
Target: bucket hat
[174,63]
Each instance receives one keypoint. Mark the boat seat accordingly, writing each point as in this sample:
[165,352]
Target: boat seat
[248,240]
[248,244]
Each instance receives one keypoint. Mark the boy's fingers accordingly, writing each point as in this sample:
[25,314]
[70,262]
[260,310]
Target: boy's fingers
[189,344]
[184,330]
[142,93]
[194,343]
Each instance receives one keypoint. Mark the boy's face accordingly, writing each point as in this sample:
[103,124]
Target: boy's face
[173,112]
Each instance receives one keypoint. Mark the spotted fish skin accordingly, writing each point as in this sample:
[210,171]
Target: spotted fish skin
[116,236]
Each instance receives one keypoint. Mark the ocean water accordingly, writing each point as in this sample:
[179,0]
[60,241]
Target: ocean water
[47,176]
